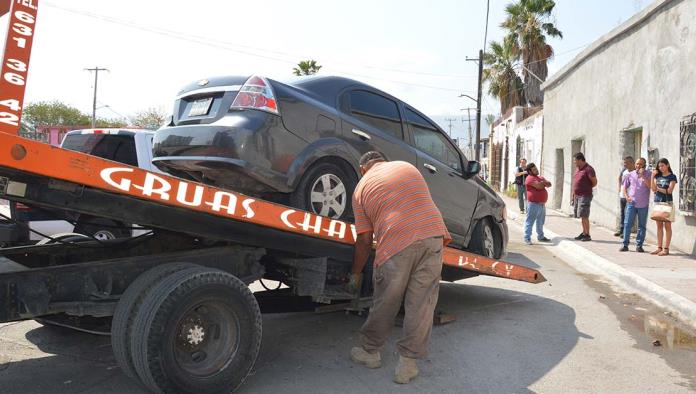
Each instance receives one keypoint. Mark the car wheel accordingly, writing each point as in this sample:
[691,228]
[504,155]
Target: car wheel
[483,240]
[326,189]
[101,229]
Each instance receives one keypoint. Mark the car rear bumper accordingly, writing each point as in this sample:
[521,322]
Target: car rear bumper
[250,154]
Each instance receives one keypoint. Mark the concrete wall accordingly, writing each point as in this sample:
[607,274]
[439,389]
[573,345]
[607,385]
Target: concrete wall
[639,77]
[529,130]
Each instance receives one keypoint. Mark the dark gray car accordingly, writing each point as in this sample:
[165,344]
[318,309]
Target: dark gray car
[299,142]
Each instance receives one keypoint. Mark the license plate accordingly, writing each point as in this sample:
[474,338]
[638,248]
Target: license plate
[200,107]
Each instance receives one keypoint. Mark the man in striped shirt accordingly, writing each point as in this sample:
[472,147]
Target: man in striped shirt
[392,203]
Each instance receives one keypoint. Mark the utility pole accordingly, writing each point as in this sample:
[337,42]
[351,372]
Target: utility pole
[470,152]
[478,102]
[96,70]
[450,120]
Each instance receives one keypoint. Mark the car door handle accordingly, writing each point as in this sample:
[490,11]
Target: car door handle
[361,134]
[430,167]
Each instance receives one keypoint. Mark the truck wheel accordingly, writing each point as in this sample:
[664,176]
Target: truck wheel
[198,331]
[101,229]
[127,307]
[325,189]
[483,240]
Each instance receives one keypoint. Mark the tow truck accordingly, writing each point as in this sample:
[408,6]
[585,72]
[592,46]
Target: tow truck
[176,300]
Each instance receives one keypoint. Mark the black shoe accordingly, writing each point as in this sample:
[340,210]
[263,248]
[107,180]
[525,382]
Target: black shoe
[618,234]
[639,249]
[581,236]
[586,238]
[623,249]
[544,239]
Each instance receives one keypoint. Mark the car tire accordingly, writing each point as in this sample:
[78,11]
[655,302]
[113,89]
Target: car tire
[313,195]
[198,331]
[128,306]
[101,229]
[484,240]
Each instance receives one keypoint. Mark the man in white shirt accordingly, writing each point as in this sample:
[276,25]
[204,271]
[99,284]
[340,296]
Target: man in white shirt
[628,165]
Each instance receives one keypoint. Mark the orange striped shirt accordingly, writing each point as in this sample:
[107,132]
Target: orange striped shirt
[393,201]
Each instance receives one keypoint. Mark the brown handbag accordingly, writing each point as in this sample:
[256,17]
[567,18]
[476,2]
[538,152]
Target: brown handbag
[662,212]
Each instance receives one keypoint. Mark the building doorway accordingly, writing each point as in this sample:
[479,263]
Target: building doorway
[558,180]
[631,141]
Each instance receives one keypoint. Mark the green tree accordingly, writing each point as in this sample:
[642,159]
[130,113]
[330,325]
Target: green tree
[306,67]
[109,123]
[529,23]
[151,118]
[503,82]
[48,113]
[490,119]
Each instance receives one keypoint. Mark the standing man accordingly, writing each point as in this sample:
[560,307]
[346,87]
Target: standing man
[628,166]
[536,207]
[636,187]
[583,182]
[520,176]
[393,203]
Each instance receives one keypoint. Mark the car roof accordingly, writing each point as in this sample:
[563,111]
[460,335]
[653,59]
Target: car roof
[328,87]
[110,131]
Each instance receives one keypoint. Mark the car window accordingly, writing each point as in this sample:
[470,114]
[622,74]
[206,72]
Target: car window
[120,148]
[431,141]
[377,111]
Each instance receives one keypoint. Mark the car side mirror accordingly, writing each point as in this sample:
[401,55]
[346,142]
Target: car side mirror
[473,167]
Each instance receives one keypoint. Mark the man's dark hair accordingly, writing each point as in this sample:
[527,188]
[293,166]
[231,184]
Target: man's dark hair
[529,167]
[371,156]
[579,156]
[629,158]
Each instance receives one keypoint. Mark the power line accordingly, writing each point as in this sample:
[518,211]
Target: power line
[230,46]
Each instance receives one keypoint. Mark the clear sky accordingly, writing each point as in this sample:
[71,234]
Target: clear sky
[415,50]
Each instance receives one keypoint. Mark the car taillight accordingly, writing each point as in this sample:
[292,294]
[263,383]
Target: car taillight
[21,207]
[256,93]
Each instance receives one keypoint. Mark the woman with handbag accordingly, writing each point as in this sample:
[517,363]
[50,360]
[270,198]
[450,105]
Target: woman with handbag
[663,182]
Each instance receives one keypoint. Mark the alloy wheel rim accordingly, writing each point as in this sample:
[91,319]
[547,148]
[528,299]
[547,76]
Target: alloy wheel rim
[488,242]
[328,196]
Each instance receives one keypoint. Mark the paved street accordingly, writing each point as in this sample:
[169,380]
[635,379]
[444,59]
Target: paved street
[570,334]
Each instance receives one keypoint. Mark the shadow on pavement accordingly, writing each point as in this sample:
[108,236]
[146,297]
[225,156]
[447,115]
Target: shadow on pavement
[502,341]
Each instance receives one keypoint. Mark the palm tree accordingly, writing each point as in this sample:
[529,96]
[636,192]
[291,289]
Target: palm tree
[503,81]
[530,23]
[306,67]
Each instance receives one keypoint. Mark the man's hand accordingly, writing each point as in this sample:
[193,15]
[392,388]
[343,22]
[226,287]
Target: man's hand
[354,283]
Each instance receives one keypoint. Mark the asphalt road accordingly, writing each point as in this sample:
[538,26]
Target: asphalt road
[570,334]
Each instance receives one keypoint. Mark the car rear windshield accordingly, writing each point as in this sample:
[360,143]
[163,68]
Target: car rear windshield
[120,148]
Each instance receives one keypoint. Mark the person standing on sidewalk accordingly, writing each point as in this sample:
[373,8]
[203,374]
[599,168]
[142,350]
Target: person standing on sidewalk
[628,166]
[581,197]
[636,187]
[393,202]
[520,176]
[663,183]
[536,206]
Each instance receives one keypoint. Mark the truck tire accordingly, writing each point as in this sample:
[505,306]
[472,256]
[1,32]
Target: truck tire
[198,331]
[127,307]
[483,240]
[330,182]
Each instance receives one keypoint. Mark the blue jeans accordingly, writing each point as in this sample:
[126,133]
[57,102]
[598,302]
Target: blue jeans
[631,212]
[535,213]
[522,197]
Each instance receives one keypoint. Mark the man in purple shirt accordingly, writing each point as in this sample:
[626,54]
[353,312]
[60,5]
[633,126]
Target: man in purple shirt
[636,188]
[584,180]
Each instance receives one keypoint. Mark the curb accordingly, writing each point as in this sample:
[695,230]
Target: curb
[586,261]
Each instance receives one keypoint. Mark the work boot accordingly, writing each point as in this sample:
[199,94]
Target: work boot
[406,370]
[362,356]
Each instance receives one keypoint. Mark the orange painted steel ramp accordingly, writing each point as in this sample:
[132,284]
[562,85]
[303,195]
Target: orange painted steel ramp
[84,170]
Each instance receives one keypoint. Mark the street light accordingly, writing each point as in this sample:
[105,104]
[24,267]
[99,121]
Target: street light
[466,95]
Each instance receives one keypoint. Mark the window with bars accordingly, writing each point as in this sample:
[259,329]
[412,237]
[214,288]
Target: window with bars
[687,167]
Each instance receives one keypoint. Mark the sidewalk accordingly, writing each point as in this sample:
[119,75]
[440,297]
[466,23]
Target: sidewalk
[667,281]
